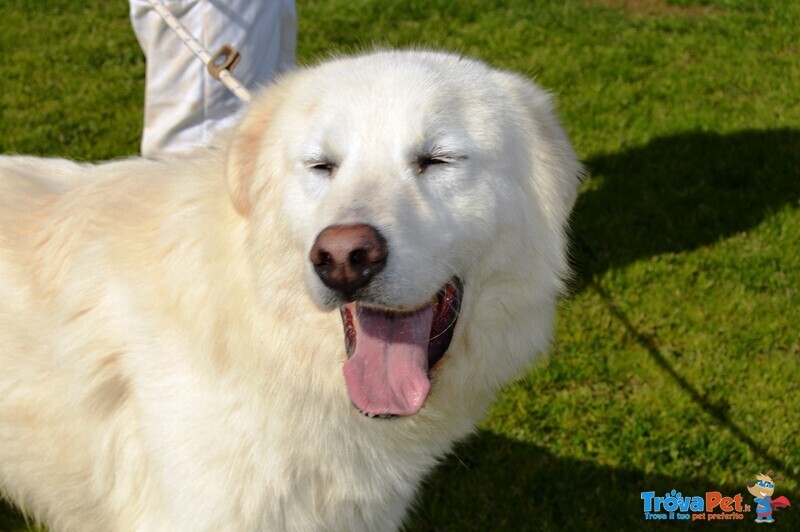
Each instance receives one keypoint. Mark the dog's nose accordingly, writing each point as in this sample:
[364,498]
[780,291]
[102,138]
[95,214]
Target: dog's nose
[346,257]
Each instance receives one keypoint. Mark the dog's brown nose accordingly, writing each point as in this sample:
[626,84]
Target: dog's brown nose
[346,257]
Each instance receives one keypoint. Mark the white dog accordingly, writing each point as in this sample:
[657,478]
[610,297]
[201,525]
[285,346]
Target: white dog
[209,342]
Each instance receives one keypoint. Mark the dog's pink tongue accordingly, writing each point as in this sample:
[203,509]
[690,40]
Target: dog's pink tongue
[388,372]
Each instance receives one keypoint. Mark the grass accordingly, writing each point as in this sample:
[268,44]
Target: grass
[676,361]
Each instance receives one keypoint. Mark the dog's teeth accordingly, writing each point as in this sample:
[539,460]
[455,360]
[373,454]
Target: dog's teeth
[374,416]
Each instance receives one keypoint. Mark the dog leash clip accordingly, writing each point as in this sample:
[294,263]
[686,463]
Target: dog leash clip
[225,59]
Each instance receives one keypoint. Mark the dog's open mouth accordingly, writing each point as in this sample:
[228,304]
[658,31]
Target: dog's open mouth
[390,353]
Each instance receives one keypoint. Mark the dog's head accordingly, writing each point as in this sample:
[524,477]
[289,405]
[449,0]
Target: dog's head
[419,193]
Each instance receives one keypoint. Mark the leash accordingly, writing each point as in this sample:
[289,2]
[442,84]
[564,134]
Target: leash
[219,65]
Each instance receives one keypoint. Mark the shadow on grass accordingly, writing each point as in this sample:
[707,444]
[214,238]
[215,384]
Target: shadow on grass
[719,411]
[679,193]
[494,483]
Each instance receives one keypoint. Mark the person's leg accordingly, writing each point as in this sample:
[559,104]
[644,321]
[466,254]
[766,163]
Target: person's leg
[183,103]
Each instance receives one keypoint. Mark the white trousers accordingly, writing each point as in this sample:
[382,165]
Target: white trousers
[184,105]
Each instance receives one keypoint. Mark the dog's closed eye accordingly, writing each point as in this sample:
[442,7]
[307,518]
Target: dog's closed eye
[424,162]
[322,166]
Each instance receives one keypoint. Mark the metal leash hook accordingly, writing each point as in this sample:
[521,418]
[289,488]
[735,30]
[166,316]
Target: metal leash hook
[225,59]
[220,71]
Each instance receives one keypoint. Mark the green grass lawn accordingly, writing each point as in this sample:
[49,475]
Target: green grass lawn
[676,364]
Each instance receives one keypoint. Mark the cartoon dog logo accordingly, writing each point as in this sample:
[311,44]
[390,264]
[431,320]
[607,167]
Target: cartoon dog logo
[762,489]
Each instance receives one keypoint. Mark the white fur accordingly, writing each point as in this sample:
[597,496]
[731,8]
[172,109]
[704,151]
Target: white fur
[169,361]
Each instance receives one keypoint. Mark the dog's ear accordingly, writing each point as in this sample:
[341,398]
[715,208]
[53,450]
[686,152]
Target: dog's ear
[246,146]
[556,171]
